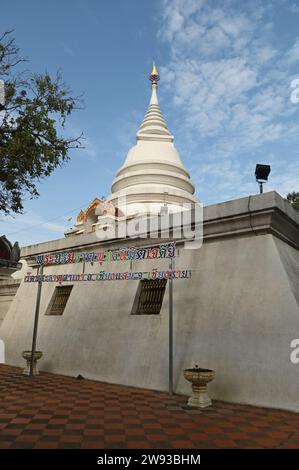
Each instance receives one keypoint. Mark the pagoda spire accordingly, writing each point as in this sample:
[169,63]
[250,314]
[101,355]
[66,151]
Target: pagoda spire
[153,126]
[154,75]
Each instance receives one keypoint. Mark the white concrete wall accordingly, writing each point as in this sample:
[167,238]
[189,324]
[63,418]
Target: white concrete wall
[8,289]
[237,315]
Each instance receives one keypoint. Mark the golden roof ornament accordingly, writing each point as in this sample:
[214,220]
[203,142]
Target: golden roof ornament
[154,75]
[80,217]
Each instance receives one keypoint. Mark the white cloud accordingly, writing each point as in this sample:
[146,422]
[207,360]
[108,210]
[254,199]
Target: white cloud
[294,8]
[175,13]
[68,49]
[293,54]
[31,227]
[90,147]
[230,89]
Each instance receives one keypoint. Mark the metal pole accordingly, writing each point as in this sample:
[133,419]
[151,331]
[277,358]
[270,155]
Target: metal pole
[37,305]
[171,268]
[261,187]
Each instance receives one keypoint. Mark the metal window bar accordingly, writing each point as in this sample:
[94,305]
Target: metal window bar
[151,297]
[61,296]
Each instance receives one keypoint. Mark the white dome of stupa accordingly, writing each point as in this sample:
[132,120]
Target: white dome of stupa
[153,175]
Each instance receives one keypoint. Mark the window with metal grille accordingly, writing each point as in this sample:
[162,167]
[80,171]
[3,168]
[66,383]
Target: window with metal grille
[149,297]
[59,300]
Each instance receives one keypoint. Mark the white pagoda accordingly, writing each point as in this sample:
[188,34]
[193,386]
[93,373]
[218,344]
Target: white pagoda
[152,179]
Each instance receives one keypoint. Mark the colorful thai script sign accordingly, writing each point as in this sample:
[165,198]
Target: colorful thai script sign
[167,250]
[108,276]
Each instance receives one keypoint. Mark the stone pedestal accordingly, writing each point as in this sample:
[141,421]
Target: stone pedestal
[27,356]
[199,379]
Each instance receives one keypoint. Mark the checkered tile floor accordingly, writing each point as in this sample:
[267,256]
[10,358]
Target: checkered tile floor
[58,412]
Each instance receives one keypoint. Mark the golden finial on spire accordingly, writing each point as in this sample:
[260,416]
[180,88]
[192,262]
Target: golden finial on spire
[154,76]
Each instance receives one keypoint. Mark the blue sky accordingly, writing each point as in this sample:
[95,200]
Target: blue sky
[226,68]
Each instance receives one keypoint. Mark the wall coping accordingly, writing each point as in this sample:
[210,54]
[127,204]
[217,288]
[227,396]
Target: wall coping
[253,215]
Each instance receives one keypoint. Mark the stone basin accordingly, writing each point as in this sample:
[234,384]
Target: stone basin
[199,379]
[27,356]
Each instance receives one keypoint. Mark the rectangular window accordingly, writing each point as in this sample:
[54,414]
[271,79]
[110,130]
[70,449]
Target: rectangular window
[149,297]
[59,300]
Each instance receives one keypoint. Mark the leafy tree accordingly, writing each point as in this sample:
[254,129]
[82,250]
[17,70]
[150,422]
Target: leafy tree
[293,198]
[33,108]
